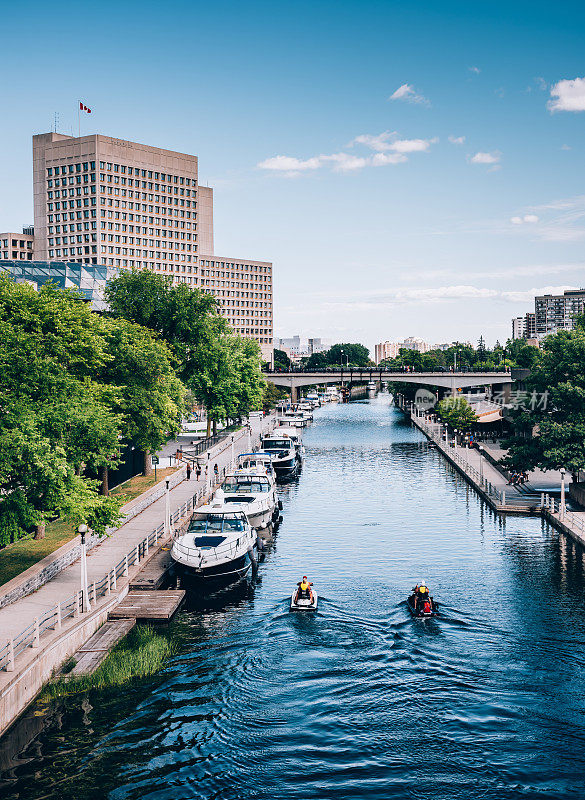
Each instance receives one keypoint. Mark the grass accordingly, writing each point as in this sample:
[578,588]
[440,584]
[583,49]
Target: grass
[140,483]
[142,653]
[19,556]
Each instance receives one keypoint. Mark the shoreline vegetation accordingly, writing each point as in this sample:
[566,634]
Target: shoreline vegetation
[142,653]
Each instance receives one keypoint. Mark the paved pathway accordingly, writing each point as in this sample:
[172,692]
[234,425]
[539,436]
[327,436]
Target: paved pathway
[108,553]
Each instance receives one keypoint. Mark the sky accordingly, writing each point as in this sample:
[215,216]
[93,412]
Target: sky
[411,169]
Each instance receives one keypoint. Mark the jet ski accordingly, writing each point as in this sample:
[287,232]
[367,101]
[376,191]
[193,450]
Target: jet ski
[429,607]
[303,604]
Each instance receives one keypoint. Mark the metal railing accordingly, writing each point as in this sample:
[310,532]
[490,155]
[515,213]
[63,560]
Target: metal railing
[72,606]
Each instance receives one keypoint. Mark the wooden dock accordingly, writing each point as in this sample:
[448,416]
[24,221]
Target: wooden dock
[149,606]
[93,652]
[155,573]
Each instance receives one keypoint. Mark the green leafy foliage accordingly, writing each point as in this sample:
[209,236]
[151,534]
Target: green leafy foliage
[457,413]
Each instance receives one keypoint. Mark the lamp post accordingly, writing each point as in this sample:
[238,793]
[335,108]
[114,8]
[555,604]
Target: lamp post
[167,527]
[85,604]
[563,506]
[480,451]
[455,438]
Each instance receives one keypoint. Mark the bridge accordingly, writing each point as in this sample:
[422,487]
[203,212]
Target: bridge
[452,381]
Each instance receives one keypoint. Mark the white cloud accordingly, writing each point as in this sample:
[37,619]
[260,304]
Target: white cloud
[486,158]
[457,139]
[528,218]
[289,164]
[408,93]
[475,70]
[387,150]
[568,95]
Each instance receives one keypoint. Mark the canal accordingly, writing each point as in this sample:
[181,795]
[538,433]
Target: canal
[361,700]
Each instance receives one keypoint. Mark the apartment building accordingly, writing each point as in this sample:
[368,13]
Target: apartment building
[386,350]
[524,327]
[557,312]
[122,205]
[17,246]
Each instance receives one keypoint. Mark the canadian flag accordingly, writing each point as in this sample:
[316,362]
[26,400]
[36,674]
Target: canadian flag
[84,108]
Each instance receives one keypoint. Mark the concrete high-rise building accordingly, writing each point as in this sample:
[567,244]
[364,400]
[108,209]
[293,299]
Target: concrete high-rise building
[524,327]
[557,312]
[386,350]
[110,202]
[17,246]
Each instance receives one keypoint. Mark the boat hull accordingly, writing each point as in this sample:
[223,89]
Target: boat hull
[209,579]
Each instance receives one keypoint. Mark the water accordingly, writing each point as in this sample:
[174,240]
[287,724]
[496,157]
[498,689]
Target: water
[360,700]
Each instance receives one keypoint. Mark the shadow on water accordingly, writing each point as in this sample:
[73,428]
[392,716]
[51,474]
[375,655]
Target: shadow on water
[486,700]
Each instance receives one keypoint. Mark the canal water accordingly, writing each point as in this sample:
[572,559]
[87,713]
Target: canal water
[361,700]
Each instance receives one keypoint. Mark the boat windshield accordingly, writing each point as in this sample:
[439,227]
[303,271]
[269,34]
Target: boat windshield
[276,444]
[216,523]
[247,485]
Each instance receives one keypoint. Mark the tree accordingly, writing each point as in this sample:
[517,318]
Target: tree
[355,355]
[549,422]
[457,413]
[272,395]
[146,393]
[281,360]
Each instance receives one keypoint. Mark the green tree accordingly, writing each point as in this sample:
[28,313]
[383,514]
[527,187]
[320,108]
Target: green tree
[549,424]
[355,355]
[457,413]
[281,360]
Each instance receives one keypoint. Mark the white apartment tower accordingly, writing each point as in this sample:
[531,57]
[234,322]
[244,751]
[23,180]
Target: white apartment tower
[100,200]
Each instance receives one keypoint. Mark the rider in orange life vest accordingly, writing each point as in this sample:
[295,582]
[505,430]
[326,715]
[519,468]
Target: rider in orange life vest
[304,590]
[421,594]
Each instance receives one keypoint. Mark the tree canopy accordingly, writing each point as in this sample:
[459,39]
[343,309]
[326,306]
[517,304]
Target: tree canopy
[457,413]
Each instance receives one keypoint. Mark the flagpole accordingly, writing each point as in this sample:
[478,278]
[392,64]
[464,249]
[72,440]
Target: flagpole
[78,121]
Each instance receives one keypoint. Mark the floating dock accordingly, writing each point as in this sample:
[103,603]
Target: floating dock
[155,573]
[149,606]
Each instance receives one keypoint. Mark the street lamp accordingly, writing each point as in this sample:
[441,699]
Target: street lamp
[455,438]
[85,604]
[480,451]
[563,506]
[167,527]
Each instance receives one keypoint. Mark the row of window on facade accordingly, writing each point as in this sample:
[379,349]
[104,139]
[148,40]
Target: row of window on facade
[86,166]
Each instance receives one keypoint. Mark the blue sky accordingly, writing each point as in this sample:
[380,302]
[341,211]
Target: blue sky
[438,213]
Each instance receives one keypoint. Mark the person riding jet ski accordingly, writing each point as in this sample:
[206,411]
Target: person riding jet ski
[304,592]
[421,602]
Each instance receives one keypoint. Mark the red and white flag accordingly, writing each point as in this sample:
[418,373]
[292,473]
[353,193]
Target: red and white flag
[82,107]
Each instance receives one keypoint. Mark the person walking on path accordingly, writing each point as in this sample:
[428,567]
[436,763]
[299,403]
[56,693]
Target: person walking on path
[216,471]
[188,471]
[198,471]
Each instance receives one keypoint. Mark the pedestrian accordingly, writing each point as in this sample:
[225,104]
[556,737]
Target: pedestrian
[188,470]
[216,471]
[198,471]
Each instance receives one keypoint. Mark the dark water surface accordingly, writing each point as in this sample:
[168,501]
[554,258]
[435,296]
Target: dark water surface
[360,700]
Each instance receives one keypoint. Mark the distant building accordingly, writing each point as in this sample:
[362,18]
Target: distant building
[89,280]
[318,345]
[524,327]
[557,312]
[17,246]
[414,343]
[386,350]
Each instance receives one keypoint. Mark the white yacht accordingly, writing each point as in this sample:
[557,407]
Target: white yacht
[255,493]
[219,547]
[293,418]
[296,437]
[332,394]
[283,453]
[257,461]
[372,387]
[313,399]
[305,410]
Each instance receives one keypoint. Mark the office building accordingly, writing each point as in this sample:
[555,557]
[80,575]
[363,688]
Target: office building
[121,205]
[17,246]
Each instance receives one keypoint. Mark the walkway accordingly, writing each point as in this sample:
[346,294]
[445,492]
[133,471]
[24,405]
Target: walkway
[111,550]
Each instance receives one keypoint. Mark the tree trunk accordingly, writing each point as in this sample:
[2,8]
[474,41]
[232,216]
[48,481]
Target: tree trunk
[208,427]
[215,427]
[105,488]
[40,530]
[147,463]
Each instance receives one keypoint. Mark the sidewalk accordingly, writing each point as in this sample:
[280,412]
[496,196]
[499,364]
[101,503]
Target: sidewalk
[111,550]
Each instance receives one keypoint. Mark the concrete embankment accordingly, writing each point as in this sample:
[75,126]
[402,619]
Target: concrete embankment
[491,484]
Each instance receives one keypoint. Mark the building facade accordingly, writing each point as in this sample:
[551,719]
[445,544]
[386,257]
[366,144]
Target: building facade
[123,205]
[524,327]
[557,312]
[386,350]
[17,246]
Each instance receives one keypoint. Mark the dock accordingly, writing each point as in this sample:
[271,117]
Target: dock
[93,652]
[149,606]
[155,573]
